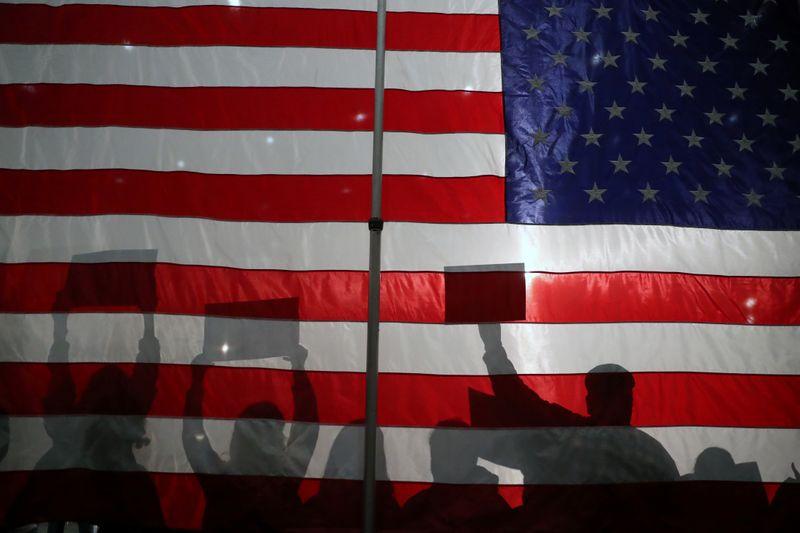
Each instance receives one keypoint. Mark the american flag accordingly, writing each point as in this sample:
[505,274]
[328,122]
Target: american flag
[185,190]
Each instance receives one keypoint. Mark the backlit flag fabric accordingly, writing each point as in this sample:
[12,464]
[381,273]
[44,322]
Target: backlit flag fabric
[183,287]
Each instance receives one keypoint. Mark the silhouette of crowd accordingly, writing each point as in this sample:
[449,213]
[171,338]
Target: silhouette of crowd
[581,472]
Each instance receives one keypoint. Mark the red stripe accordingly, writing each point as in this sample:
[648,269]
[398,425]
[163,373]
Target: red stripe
[238,26]
[660,399]
[271,198]
[686,506]
[406,296]
[247,108]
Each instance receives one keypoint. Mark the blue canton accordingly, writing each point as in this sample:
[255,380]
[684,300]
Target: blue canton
[673,112]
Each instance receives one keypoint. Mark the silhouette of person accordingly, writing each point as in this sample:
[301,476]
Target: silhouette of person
[565,462]
[783,515]
[257,488]
[474,505]
[91,448]
[338,503]
[736,500]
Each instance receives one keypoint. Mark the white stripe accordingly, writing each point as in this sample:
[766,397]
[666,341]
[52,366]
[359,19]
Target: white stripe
[577,348]
[418,348]
[229,66]
[592,248]
[487,7]
[407,246]
[408,454]
[250,152]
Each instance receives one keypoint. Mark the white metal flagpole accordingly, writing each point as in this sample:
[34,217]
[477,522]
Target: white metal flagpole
[373,324]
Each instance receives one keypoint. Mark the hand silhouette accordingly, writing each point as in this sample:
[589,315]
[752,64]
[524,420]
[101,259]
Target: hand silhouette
[298,357]
[149,350]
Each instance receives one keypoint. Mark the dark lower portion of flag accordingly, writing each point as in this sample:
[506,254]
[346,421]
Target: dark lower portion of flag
[244,503]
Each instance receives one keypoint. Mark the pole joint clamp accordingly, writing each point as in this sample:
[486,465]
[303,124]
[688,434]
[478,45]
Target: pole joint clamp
[375,224]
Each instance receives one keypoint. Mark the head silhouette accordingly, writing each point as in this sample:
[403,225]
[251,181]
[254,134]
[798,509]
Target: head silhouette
[258,439]
[715,463]
[609,395]
[110,391]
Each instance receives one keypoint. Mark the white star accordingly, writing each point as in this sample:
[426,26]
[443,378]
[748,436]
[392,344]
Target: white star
[699,17]
[658,62]
[753,198]
[615,110]
[603,11]
[541,194]
[723,169]
[779,43]
[643,137]
[678,39]
[672,165]
[650,14]
[694,139]
[767,118]
[665,113]
[714,116]
[730,42]
[567,166]
[536,82]
[686,89]
[531,33]
[592,137]
[586,85]
[559,58]
[540,137]
[700,194]
[775,172]
[595,193]
[636,85]
[745,144]
[789,93]
[708,65]
[795,144]
[620,165]
[563,110]
[554,11]
[759,67]
[737,92]
[648,194]
[750,19]
[581,35]
[630,36]
[610,60]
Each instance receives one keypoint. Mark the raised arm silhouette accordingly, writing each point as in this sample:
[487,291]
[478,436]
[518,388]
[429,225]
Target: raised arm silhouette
[513,393]
[257,488]
[565,461]
[93,448]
